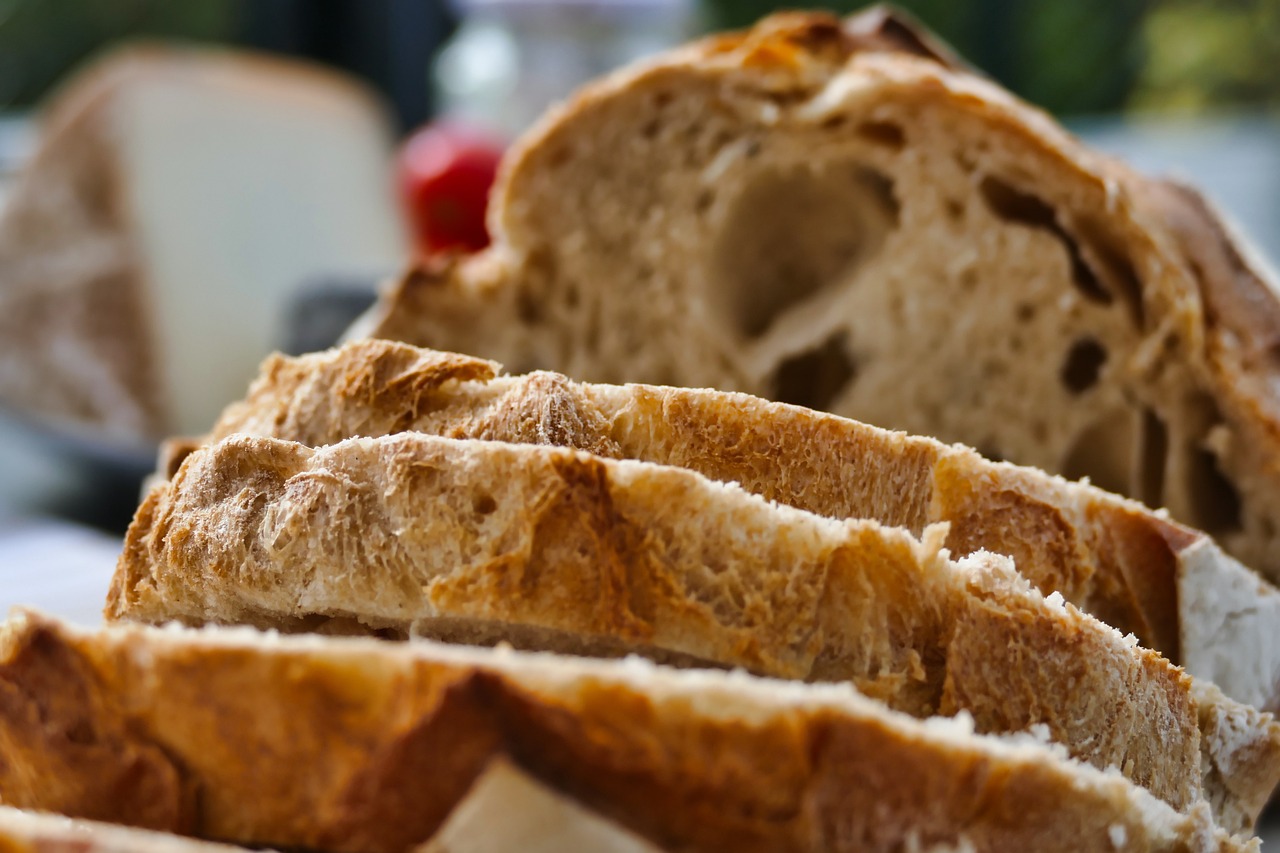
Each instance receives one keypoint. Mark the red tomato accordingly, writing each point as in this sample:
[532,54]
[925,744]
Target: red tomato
[446,172]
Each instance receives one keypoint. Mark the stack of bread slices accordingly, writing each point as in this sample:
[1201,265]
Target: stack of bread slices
[397,600]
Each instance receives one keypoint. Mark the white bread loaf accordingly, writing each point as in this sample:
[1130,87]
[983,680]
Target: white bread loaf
[362,745]
[834,214]
[175,202]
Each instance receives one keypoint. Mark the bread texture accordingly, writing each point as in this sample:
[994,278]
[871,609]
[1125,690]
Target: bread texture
[827,213]
[204,726]
[485,541]
[1170,586]
[33,832]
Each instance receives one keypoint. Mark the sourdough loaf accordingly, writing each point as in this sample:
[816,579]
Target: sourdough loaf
[175,201]
[1170,586]
[484,541]
[829,214]
[33,832]
[205,727]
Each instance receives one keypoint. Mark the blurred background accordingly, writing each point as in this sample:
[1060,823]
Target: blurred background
[1187,87]
[1074,58]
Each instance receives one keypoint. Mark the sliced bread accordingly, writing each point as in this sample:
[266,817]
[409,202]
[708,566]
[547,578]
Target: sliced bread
[554,549]
[829,214]
[202,732]
[1170,586]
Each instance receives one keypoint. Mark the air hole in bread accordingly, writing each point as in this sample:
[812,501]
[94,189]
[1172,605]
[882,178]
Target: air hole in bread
[1153,459]
[560,156]
[884,133]
[954,209]
[834,122]
[816,378]
[484,504]
[1215,502]
[650,128]
[338,626]
[528,307]
[704,201]
[792,233]
[1104,452]
[175,451]
[1116,267]
[1083,365]
[1014,205]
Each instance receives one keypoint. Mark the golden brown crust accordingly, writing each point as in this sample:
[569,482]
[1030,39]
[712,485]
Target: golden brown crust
[1111,557]
[89,777]
[699,761]
[408,527]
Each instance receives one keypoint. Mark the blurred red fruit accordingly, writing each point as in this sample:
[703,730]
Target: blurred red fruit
[446,172]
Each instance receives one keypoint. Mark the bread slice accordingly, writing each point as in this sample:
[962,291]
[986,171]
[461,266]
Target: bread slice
[1170,586]
[553,549]
[361,745]
[175,203]
[825,214]
[34,832]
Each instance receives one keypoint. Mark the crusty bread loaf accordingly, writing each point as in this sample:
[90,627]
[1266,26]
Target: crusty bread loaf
[33,832]
[1170,586]
[484,541]
[828,215]
[199,731]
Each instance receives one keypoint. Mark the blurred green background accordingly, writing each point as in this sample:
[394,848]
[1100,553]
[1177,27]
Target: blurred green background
[1093,56]
[1070,56]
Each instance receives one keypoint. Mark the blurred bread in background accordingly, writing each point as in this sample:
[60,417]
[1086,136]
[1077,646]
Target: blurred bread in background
[175,202]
